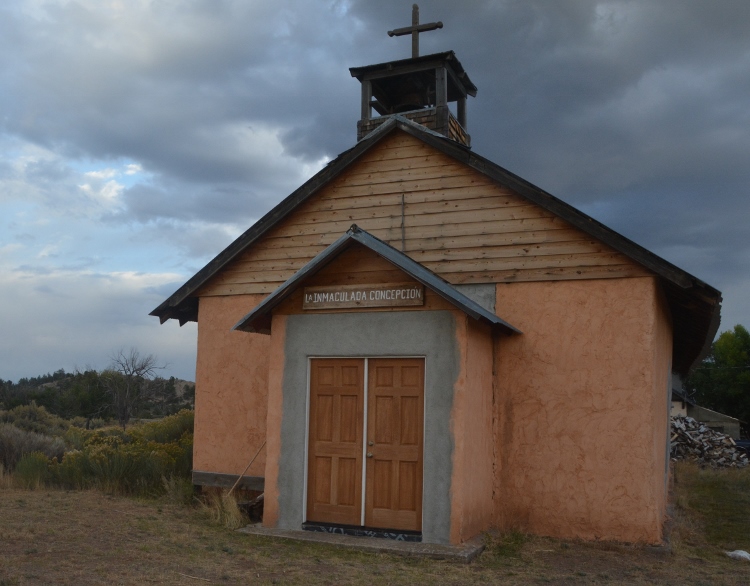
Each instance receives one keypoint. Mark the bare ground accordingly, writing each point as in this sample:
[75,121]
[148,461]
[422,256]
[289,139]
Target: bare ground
[59,537]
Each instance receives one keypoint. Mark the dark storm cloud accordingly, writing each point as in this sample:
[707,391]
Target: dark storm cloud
[222,203]
[562,74]
[636,111]
[162,86]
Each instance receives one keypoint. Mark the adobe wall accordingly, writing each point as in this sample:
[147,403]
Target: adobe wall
[230,388]
[581,404]
[662,394]
[472,427]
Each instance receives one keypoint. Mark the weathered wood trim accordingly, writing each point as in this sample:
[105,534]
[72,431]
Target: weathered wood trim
[511,252]
[366,98]
[414,67]
[505,244]
[421,63]
[221,480]
[509,276]
[461,112]
[456,200]
[439,119]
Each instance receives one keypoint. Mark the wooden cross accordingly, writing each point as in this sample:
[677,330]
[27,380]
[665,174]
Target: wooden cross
[414,30]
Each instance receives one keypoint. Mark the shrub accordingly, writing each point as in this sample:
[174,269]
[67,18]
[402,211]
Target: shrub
[147,459]
[15,443]
[178,490]
[168,429]
[87,422]
[35,419]
[72,472]
[32,470]
[6,480]
[75,437]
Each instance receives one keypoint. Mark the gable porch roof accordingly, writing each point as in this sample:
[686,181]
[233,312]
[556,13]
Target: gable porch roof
[259,319]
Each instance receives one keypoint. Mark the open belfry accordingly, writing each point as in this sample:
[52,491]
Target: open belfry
[419,344]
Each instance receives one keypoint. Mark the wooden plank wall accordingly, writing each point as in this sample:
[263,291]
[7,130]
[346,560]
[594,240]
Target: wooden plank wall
[456,221]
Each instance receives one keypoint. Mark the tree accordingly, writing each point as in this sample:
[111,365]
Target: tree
[130,382]
[5,394]
[83,394]
[722,381]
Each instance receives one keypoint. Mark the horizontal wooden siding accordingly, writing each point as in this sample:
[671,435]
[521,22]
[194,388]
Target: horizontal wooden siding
[456,222]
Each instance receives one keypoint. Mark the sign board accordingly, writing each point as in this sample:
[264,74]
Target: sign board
[344,296]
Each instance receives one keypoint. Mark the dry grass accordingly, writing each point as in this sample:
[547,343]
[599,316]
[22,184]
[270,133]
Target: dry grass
[713,507]
[6,479]
[86,537]
[222,508]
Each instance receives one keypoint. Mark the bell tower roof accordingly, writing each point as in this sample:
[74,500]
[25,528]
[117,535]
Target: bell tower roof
[385,76]
[420,88]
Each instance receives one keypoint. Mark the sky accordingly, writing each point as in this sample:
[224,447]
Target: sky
[138,138]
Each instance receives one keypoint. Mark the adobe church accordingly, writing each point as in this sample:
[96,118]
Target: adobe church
[426,346]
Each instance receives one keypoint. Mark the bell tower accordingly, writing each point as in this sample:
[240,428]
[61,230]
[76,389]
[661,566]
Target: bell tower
[420,89]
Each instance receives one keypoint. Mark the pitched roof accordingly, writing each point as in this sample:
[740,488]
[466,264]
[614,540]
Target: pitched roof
[259,319]
[695,305]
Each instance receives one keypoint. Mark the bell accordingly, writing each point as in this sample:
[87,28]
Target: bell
[411,101]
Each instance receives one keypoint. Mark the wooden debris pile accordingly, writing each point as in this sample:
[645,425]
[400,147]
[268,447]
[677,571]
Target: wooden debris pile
[691,440]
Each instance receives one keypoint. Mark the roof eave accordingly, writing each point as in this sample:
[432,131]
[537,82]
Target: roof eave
[391,67]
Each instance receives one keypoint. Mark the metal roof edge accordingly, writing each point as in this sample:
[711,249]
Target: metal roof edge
[446,56]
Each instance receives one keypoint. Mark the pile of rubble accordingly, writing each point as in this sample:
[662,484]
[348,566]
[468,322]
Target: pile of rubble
[691,440]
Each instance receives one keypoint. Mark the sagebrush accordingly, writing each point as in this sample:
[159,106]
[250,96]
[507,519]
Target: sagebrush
[146,459]
[15,443]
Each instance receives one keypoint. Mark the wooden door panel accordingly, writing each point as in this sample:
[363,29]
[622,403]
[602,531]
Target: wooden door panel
[334,486]
[395,407]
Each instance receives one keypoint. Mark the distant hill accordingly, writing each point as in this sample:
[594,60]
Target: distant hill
[83,394]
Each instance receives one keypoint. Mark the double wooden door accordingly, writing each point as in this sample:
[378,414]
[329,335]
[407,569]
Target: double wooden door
[365,442]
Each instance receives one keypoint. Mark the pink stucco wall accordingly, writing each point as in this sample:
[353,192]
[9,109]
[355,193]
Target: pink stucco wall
[661,405]
[581,409]
[230,388]
[471,426]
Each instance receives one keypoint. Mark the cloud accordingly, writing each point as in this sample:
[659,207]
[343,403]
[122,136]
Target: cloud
[74,319]
[102,174]
[140,138]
